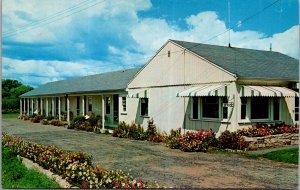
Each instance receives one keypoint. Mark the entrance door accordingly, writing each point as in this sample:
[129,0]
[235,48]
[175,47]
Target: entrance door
[116,108]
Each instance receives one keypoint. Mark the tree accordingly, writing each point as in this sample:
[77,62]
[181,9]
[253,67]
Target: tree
[11,90]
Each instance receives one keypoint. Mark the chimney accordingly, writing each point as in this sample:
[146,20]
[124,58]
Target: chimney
[229,45]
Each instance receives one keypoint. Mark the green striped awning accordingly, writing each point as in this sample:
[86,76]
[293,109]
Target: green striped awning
[138,93]
[206,90]
[267,91]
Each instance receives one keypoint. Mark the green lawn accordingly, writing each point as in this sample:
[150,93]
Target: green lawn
[16,175]
[287,155]
[10,115]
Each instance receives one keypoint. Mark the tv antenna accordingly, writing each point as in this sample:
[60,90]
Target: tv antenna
[229,23]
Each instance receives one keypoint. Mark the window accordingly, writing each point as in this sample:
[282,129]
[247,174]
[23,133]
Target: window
[243,107]
[144,106]
[78,105]
[210,107]
[107,102]
[195,107]
[124,103]
[276,106]
[90,105]
[259,108]
[169,54]
[296,108]
[225,109]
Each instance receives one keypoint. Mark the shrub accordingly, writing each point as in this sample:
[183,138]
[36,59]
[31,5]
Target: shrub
[24,117]
[55,122]
[196,141]
[260,130]
[44,122]
[93,121]
[133,131]
[116,132]
[34,120]
[231,140]
[71,125]
[49,117]
[97,128]
[172,141]
[79,119]
[151,130]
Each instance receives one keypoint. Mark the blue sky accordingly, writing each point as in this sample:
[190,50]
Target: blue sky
[51,40]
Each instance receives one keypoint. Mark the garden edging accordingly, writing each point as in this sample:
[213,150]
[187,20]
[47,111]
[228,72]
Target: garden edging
[31,165]
[272,141]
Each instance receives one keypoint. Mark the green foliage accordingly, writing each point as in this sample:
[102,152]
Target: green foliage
[287,155]
[93,120]
[11,90]
[231,140]
[16,175]
[151,133]
[172,141]
[132,131]
[10,115]
[79,119]
[49,117]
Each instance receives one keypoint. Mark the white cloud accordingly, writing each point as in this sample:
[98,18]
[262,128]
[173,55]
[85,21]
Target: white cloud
[40,72]
[21,17]
[151,34]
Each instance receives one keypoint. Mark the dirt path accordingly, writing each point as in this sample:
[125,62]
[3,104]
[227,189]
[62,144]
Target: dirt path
[154,162]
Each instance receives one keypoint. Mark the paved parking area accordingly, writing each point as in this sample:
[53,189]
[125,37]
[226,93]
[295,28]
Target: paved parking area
[155,162]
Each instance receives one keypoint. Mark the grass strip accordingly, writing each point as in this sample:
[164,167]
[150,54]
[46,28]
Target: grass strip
[286,155]
[10,115]
[16,175]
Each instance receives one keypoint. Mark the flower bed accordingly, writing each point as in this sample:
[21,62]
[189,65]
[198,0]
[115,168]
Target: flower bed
[136,131]
[260,130]
[75,167]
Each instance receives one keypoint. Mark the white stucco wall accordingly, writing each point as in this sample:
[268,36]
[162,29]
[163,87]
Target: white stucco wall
[180,68]
[165,108]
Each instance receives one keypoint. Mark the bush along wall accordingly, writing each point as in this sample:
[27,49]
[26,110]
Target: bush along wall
[75,167]
[202,140]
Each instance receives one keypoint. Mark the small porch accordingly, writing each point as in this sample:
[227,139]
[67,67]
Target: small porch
[67,107]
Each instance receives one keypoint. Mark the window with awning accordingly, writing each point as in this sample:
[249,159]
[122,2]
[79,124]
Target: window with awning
[205,90]
[267,91]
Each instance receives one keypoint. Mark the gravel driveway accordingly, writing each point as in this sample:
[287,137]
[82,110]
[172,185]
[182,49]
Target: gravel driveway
[155,162]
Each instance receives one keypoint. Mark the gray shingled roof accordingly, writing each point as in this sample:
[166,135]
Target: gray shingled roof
[248,63]
[110,81]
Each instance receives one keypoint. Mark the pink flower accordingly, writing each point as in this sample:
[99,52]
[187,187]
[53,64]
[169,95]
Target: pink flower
[117,184]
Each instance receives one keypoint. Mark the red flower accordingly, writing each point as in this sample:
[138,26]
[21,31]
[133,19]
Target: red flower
[140,180]
[117,184]
[100,169]
[84,184]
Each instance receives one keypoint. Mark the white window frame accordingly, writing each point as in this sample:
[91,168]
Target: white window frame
[211,118]
[124,97]
[270,110]
[200,111]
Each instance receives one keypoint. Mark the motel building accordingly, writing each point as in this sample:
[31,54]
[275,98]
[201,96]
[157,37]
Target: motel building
[185,85]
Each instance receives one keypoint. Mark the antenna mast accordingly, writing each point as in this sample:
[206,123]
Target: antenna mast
[229,23]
